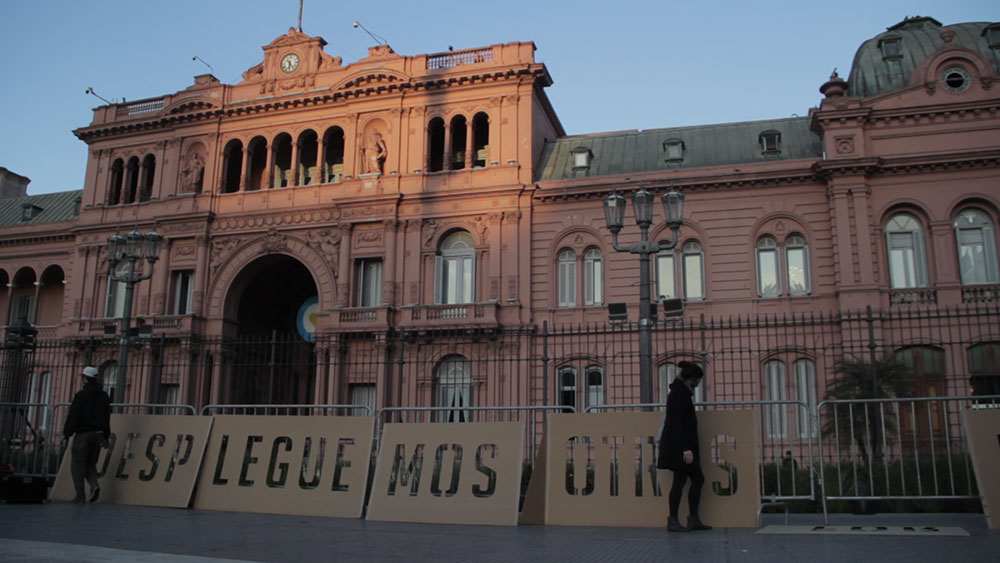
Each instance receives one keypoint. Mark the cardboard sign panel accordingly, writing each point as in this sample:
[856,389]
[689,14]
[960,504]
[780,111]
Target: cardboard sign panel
[599,469]
[449,473]
[153,461]
[308,465]
[983,426]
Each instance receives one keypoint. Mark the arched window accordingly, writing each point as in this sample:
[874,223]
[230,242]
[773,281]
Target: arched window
[776,420]
[566,277]
[797,265]
[455,273]
[805,391]
[984,369]
[666,282]
[256,164]
[595,386]
[49,307]
[308,173]
[453,389]
[131,180]
[22,295]
[922,427]
[147,175]
[480,140]
[115,186]
[435,145]
[333,154]
[694,271]
[593,277]
[567,388]
[109,373]
[907,264]
[456,160]
[38,391]
[232,166]
[114,305]
[282,165]
[768,284]
[977,251]
[667,372]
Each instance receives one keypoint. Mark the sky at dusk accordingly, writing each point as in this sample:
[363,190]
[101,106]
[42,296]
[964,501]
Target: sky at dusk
[615,65]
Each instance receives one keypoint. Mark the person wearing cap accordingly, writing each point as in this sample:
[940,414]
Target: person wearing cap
[679,447]
[89,419]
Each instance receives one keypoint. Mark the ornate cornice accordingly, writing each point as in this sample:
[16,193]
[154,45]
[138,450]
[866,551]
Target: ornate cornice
[362,89]
[261,220]
[37,239]
[46,254]
[599,189]
[847,167]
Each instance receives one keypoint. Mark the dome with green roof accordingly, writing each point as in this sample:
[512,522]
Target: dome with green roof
[887,61]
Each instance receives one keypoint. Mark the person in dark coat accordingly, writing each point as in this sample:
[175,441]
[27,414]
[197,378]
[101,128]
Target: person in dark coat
[679,447]
[89,419]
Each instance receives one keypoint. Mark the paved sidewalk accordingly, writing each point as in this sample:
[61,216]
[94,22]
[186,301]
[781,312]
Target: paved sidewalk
[106,533]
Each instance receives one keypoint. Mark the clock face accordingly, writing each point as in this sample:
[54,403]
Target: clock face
[290,62]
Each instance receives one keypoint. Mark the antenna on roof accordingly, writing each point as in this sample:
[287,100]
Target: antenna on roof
[300,17]
[197,58]
[380,40]
[91,91]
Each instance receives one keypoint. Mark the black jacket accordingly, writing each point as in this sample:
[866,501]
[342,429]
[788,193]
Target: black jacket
[90,411]
[680,429]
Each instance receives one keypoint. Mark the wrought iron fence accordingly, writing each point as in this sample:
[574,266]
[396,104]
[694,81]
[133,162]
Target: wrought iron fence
[943,351]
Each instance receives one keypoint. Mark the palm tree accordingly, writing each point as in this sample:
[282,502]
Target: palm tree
[859,379]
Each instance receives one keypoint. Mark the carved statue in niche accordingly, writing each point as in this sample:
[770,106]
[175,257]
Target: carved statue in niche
[193,173]
[374,152]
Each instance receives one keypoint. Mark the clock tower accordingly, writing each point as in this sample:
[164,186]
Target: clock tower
[291,60]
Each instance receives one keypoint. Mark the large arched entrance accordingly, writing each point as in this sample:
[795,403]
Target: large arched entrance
[273,355]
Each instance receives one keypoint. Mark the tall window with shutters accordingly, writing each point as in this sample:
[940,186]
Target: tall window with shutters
[566,277]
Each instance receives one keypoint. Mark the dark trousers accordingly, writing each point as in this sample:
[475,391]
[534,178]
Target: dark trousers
[694,493]
[86,450]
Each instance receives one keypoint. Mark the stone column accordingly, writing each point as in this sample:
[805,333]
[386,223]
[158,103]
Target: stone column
[343,280]
[468,144]
[200,275]
[244,178]
[159,284]
[495,242]
[863,228]
[320,160]
[294,180]
[446,157]
[33,312]
[389,271]
[268,182]
[941,246]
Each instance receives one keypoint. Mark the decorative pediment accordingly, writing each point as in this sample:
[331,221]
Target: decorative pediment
[189,105]
[372,77]
[293,37]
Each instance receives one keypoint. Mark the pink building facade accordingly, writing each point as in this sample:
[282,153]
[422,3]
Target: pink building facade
[419,230]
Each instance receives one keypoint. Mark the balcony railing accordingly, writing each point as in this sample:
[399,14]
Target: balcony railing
[914,296]
[980,293]
[453,313]
[457,58]
[136,108]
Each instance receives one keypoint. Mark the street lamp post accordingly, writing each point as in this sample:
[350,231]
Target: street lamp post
[614,216]
[130,248]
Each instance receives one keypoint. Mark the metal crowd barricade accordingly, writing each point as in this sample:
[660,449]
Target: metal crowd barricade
[912,448]
[782,476]
[152,408]
[300,410]
[27,431]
